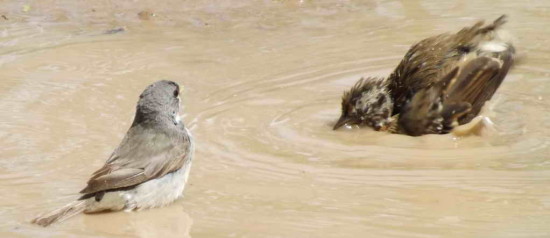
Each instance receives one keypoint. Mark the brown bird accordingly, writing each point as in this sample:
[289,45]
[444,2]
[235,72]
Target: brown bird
[442,81]
[149,168]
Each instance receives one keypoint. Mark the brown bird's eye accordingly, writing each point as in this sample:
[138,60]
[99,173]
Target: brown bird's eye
[176,93]
[385,113]
[435,106]
[381,99]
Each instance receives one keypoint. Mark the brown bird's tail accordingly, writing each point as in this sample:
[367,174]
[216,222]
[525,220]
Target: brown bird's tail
[497,23]
[61,214]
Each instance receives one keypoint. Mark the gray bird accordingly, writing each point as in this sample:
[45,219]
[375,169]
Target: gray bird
[442,81]
[149,168]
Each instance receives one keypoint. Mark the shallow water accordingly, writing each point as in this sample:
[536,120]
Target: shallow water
[263,81]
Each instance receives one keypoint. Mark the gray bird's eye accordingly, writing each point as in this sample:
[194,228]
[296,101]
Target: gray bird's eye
[176,93]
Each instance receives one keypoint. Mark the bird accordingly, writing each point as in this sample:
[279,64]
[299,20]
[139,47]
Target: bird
[441,82]
[149,168]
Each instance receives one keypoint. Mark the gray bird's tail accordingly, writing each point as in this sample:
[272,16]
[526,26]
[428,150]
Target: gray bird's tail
[61,214]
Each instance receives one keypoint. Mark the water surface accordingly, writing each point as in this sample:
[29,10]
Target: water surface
[263,81]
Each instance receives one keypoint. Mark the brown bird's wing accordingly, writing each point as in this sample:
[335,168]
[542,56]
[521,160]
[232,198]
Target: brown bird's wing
[422,113]
[144,154]
[461,93]
[431,59]
[420,68]
[476,83]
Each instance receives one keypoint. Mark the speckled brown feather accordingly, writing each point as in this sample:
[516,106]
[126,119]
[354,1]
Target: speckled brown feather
[478,81]
[367,103]
[481,59]
[360,86]
[452,101]
[430,59]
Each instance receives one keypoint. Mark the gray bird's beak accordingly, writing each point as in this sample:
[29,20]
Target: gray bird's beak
[342,121]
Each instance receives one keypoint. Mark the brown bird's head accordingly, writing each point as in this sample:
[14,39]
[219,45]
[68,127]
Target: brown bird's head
[367,103]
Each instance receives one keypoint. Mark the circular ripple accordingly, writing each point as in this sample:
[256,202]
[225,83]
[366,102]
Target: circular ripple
[282,125]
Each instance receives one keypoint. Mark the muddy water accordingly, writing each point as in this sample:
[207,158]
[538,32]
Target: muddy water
[263,82]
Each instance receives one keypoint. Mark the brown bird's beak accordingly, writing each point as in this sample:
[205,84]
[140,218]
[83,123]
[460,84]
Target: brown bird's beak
[342,121]
[380,127]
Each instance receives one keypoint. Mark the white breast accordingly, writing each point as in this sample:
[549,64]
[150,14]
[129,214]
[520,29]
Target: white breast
[161,191]
[164,190]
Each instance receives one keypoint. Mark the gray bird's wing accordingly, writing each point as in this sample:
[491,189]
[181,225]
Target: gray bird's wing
[144,154]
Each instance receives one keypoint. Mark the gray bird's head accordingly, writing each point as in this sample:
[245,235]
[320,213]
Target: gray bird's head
[159,102]
[367,103]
